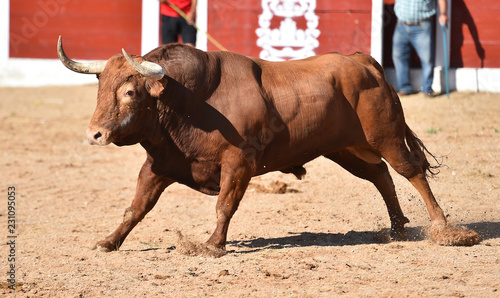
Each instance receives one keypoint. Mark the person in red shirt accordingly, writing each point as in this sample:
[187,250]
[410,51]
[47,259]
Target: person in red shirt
[172,24]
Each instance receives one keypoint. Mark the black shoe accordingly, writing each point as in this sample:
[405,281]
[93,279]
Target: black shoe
[429,94]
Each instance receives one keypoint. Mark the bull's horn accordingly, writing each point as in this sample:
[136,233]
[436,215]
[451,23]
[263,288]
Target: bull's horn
[145,68]
[94,67]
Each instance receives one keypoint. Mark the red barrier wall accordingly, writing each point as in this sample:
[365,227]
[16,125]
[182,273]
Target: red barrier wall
[345,26]
[91,29]
[475,41]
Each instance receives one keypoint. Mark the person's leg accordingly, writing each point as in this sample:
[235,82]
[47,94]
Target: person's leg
[422,41]
[401,51]
[188,33]
[169,29]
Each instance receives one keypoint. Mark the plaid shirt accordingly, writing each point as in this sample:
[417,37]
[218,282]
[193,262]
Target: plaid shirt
[414,11]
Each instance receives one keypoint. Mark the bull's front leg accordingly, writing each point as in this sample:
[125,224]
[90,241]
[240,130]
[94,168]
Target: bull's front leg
[149,188]
[235,176]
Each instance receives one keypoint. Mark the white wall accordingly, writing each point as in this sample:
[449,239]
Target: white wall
[377,30]
[4,31]
[460,79]
[150,31]
[202,23]
[17,72]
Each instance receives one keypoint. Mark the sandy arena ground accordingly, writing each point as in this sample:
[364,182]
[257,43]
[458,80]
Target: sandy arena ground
[318,239]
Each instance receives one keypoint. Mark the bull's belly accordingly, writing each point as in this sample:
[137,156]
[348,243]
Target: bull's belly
[308,127]
[283,158]
[205,176]
[200,175]
[285,152]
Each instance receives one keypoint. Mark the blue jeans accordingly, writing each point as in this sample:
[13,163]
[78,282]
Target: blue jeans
[420,37]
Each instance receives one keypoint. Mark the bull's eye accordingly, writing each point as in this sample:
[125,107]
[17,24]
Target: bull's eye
[129,93]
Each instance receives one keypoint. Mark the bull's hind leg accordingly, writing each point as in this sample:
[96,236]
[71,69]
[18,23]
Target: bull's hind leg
[409,160]
[410,167]
[413,165]
[149,188]
[379,175]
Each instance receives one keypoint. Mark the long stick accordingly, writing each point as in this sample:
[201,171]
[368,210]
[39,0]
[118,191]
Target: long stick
[182,14]
[445,60]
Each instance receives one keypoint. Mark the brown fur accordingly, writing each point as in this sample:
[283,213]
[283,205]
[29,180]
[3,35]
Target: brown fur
[217,119]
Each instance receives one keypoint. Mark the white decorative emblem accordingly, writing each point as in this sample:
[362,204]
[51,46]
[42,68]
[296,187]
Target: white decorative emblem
[287,42]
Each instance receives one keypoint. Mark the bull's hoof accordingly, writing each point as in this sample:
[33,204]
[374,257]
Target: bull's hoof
[215,252]
[199,249]
[191,248]
[105,246]
[454,236]
[399,235]
[398,231]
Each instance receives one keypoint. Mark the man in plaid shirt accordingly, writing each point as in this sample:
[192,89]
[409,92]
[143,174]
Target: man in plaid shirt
[415,29]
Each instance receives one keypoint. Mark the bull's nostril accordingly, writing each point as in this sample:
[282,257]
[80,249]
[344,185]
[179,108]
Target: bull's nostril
[96,137]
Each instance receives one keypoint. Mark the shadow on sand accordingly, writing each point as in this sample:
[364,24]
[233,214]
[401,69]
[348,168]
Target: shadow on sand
[487,230]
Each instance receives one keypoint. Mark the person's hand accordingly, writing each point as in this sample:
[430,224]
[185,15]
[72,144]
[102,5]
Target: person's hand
[443,19]
[191,17]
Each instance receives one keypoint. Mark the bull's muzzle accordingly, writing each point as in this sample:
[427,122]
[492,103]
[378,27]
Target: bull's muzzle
[97,137]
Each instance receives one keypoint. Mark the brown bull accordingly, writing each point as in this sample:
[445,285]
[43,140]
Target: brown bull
[213,120]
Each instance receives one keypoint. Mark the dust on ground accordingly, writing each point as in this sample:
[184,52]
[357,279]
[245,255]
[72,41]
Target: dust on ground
[316,237]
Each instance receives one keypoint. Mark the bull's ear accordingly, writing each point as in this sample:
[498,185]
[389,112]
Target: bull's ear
[156,87]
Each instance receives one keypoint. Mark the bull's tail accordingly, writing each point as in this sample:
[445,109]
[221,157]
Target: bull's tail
[417,153]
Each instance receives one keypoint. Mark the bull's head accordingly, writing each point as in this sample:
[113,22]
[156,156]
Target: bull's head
[126,106]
